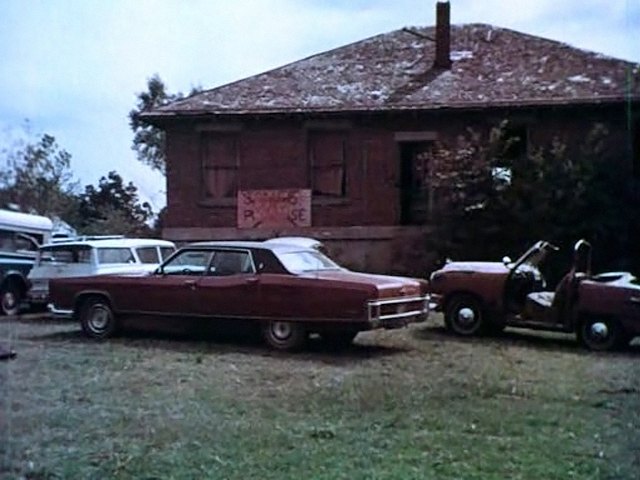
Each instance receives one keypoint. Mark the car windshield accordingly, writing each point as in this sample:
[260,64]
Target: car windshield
[306,261]
[535,255]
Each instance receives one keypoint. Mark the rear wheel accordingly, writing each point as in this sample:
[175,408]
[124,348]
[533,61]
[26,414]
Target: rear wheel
[600,334]
[283,335]
[97,318]
[464,315]
[10,298]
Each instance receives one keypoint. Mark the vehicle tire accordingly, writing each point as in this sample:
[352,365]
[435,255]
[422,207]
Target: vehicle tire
[10,298]
[97,318]
[600,334]
[465,316]
[338,340]
[283,335]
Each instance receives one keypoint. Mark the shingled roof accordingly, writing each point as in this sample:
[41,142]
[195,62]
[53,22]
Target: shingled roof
[394,71]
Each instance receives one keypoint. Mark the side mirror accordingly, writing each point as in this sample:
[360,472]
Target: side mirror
[506,260]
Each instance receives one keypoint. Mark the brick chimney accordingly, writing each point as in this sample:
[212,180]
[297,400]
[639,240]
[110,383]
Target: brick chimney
[443,36]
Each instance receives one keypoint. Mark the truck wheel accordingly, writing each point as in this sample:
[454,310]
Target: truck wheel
[97,319]
[283,335]
[10,297]
[464,315]
[600,334]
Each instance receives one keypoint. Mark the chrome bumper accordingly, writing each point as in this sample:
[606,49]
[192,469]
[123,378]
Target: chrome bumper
[397,312]
[435,302]
[38,297]
[58,313]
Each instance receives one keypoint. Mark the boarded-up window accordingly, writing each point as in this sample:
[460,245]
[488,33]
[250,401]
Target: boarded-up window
[327,156]
[219,165]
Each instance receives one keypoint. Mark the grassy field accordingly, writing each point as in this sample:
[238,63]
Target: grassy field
[406,404]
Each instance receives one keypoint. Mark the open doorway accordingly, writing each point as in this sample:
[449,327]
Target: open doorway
[416,190]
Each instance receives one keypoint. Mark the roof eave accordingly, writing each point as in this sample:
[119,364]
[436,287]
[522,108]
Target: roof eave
[157,117]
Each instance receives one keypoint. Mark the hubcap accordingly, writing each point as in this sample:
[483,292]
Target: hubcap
[599,331]
[281,330]
[466,316]
[99,319]
[8,300]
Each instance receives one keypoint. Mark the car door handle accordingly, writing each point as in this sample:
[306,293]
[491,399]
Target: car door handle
[252,280]
[190,284]
[635,300]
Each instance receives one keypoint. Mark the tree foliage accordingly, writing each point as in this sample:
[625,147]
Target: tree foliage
[113,207]
[149,140]
[553,192]
[37,177]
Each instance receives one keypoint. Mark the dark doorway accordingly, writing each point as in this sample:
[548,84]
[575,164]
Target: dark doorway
[416,192]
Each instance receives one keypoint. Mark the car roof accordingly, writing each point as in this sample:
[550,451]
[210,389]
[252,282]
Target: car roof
[111,243]
[295,241]
[239,244]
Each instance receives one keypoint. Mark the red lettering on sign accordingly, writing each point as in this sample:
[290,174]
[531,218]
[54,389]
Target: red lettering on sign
[274,208]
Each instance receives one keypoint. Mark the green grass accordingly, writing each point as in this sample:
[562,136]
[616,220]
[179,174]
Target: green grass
[398,405]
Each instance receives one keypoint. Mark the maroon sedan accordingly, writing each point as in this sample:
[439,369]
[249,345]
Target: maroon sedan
[289,290]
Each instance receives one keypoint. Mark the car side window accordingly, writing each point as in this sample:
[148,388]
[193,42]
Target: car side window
[65,255]
[188,262]
[227,262]
[26,243]
[148,254]
[166,252]
[115,255]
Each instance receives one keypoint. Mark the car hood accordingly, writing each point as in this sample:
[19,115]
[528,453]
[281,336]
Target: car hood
[475,267]
[386,285]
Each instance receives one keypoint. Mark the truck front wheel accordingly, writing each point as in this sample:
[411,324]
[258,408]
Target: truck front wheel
[10,298]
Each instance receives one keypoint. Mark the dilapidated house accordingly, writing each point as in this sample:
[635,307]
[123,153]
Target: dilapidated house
[337,146]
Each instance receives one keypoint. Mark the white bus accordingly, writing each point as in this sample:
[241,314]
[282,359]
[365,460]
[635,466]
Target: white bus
[20,236]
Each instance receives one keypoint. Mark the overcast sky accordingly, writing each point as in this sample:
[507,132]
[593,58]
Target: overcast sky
[73,67]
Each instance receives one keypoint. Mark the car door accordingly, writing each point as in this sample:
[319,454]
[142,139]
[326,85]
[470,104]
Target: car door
[172,290]
[230,287]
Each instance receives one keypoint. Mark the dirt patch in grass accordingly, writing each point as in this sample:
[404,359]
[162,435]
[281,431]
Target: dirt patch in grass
[413,403]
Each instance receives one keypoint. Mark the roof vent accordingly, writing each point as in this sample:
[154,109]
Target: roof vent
[443,36]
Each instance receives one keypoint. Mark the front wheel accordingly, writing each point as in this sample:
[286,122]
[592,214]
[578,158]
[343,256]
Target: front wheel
[464,315]
[600,334]
[10,297]
[283,335]
[97,318]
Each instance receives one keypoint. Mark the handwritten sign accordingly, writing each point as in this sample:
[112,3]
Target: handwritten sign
[274,208]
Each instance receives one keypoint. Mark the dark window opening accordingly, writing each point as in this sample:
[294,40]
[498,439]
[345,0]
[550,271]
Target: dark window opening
[515,143]
[219,154]
[512,155]
[416,187]
[327,157]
